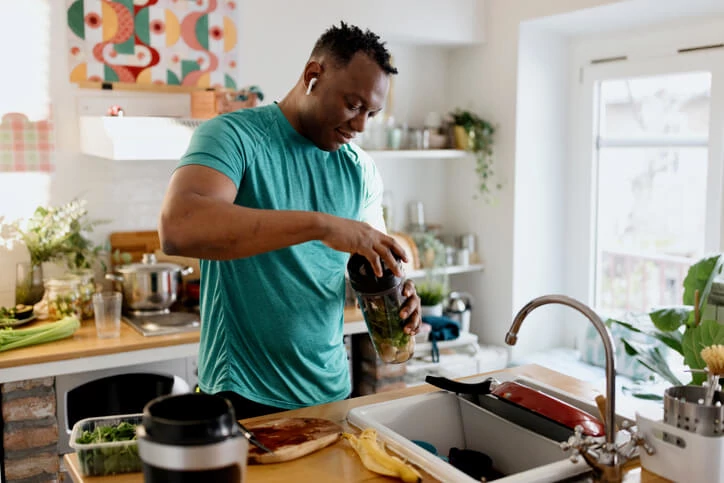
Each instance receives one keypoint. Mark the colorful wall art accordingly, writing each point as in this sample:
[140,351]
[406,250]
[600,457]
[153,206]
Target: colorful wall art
[172,42]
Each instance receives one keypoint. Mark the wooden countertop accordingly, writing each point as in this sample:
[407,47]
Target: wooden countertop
[84,343]
[339,462]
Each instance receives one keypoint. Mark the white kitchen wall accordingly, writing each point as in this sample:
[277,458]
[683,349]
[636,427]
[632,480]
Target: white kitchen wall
[484,78]
[539,235]
[275,47]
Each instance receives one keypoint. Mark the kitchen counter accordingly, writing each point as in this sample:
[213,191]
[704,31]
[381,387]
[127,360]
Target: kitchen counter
[84,350]
[339,462]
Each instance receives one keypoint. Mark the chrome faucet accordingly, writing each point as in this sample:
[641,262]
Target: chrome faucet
[608,463]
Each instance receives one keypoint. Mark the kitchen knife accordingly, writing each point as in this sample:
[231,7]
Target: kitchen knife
[252,439]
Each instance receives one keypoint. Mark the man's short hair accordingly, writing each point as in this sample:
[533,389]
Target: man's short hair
[346,40]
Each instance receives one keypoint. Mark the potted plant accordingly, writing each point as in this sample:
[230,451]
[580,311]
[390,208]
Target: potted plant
[680,327]
[474,134]
[431,293]
[53,234]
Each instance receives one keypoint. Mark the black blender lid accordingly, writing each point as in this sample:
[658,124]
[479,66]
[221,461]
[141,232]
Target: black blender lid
[189,419]
[362,276]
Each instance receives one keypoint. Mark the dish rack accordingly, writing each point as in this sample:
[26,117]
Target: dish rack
[689,443]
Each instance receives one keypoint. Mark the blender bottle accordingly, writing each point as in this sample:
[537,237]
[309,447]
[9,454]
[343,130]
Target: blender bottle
[381,300]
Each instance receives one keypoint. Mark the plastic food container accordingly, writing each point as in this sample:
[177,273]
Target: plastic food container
[102,459]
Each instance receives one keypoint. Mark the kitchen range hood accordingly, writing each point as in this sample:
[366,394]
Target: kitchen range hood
[128,138]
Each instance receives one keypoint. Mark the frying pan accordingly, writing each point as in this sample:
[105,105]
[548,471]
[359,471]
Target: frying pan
[524,406]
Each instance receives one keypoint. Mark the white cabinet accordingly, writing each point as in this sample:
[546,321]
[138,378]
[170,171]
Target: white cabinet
[136,138]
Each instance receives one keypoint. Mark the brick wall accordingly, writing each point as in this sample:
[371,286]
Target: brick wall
[30,431]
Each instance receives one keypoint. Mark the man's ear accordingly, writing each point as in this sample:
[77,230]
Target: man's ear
[312,72]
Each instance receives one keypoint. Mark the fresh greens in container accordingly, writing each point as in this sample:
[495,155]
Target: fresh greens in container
[381,299]
[107,445]
[382,316]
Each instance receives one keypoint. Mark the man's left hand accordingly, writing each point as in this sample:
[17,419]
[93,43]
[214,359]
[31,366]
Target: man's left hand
[410,311]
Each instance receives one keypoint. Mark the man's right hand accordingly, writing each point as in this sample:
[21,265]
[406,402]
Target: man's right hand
[353,237]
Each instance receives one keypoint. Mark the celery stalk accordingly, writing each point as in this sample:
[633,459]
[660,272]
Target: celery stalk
[15,338]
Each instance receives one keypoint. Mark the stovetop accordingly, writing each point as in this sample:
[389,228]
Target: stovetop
[164,324]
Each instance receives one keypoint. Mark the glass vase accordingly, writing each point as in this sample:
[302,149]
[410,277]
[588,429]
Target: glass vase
[29,287]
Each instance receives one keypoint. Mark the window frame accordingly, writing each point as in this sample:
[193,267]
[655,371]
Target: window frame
[585,144]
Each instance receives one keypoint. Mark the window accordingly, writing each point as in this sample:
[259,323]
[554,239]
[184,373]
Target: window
[651,180]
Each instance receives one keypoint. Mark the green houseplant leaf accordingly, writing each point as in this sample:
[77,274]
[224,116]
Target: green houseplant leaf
[708,333]
[670,322]
[430,293]
[670,318]
[651,357]
[700,277]
[671,339]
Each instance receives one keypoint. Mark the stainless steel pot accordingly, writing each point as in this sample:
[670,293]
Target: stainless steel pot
[149,286]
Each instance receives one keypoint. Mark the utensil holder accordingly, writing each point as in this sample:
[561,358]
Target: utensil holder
[681,455]
[683,410]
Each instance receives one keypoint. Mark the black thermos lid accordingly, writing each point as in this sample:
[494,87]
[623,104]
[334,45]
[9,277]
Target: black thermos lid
[192,419]
[363,279]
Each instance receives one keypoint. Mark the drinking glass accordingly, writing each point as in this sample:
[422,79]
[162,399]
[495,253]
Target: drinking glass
[107,309]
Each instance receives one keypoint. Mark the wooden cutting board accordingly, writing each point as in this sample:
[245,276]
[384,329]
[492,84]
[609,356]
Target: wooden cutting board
[291,438]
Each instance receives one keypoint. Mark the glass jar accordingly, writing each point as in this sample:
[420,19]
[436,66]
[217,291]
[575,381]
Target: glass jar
[86,289]
[63,297]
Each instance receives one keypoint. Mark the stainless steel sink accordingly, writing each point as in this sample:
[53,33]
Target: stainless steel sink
[446,421]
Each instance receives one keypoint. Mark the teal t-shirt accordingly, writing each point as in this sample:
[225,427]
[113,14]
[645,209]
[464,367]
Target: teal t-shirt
[271,324]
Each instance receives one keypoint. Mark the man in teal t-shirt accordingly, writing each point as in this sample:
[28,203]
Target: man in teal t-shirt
[273,200]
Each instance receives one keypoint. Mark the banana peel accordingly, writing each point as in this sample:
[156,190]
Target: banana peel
[375,457]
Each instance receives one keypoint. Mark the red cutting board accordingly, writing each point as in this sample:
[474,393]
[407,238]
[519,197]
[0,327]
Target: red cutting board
[291,438]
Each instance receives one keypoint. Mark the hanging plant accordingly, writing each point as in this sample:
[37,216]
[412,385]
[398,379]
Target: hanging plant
[475,134]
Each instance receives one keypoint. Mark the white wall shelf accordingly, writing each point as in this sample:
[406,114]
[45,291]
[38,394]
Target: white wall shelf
[451,270]
[465,338]
[130,138]
[419,154]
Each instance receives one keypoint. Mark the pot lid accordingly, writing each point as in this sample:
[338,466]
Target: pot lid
[144,268]
[149,265]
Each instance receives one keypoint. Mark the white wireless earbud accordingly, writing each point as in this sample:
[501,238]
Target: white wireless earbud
[311,84]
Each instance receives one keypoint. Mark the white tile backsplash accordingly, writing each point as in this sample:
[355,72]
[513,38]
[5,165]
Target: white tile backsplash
[126,194]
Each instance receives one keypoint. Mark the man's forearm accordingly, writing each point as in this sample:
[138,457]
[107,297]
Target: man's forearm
[215,230]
